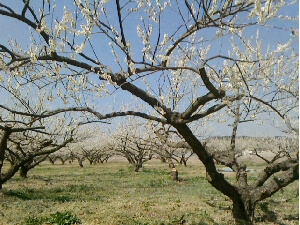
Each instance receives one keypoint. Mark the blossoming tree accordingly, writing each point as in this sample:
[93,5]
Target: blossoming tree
[183,61]
[26,140]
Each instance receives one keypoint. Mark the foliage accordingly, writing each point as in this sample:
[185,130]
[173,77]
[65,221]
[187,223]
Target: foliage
[58,218]
[32,220]
[63,218]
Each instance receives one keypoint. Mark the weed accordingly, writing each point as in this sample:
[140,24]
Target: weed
[33,220]
[63,218]
[63,198]
[156,172]
[58,218]
[179,221]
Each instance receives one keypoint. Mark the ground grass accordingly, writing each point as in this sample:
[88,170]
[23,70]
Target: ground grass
[113,193]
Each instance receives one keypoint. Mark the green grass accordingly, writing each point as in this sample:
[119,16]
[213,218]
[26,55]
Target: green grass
[113,193]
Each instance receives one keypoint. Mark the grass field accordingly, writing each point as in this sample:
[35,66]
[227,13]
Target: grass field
[113,193]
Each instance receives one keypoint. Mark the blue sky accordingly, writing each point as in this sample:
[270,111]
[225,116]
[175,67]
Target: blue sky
[12,29]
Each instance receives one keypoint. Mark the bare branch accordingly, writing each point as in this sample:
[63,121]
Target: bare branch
[25,20]
[209,111]
[291,168]
[209,85]
[197,103]
[274,168]
[25,8]
[267,104]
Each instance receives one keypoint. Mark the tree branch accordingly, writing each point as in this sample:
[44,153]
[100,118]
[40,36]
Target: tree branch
[197,103]
[272,169]
[100,116]
[12,14]
[211,110]
[267,190]
[267,104]
[209,85]
[25,8]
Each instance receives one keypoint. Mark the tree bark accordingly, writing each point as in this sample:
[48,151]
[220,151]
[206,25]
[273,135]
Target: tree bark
[52,161]
[137,168]
[23,172]
[183,160]
[80,162]
[243,210]
[3,146]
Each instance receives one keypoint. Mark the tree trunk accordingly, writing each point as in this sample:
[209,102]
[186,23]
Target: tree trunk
[243,211]
[243,207]
[162,159]
[51,161]
[171,164]
[23,172]
[80,162]
[137,168]
[183,160]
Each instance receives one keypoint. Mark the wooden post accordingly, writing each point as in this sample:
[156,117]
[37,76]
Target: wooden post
[175,174]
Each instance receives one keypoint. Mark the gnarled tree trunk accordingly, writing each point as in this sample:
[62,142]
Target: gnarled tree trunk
[243,210]
[137,167]
[23,171]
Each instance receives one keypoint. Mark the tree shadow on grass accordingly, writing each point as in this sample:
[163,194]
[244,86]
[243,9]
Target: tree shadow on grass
[217,205]
[67,194]
[31,194]
[271,216]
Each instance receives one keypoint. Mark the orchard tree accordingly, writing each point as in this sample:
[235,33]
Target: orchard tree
[134,142]
[90,144]
[52,158]
[27,145]
[171,149]
[29,129]
[29,132]
[63,156]
[96,150]
[182,61]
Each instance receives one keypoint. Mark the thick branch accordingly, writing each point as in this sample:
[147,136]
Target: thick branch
[138,92]
[5,49]
[197,103]
[272,169]
[120,23]
[278,182]
[215,178]
[25,8]
[84,109]
[211,110]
